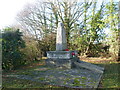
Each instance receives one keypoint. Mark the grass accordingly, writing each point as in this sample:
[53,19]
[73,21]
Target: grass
[110,78]
[77,82]
[19,83]
[111,75]
[10,82]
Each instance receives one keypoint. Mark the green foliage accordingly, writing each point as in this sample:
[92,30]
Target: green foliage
[112,18]
[31,51]
[47,44]
[87,35]
[84,22]
[12,42]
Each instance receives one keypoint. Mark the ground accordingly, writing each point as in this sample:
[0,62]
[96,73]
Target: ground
[110,78]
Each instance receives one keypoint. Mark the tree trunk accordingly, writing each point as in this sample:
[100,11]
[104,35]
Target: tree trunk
[119,32]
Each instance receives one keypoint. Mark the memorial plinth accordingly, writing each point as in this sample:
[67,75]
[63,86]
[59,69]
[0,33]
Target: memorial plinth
[60,54]
[60,58]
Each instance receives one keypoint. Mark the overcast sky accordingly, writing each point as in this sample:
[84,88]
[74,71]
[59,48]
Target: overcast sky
[10,8]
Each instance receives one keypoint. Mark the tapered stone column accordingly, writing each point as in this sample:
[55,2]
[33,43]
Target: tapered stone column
[61,42]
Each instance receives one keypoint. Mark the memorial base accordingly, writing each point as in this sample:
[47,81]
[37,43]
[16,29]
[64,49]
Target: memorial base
[62,59]
[62,63]
[65,59]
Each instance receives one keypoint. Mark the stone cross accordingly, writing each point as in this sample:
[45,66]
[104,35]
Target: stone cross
[61,42]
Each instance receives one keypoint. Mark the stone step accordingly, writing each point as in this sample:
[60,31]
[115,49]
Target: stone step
[95,66]
[89,66]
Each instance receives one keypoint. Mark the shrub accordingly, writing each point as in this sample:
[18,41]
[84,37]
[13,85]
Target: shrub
[31,51]
[12,42]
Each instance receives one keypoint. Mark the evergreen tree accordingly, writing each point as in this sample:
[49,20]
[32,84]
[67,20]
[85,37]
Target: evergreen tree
[12,42]
[112,23]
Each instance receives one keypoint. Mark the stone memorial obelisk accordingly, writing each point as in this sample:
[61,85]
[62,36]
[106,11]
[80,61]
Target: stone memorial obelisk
[61,42]
[60,57]
[69,59]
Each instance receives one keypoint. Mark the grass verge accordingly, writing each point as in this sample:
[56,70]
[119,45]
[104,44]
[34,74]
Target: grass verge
[111,77]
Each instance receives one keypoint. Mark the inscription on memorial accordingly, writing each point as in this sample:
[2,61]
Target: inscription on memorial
[59,54]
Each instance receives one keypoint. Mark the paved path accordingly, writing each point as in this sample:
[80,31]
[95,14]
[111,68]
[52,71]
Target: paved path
[73,78]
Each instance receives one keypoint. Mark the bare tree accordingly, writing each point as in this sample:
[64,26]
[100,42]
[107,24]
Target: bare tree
[35,19]
[42,18]
[68,12]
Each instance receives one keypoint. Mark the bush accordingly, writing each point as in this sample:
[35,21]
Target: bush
[12,42]
[31,51]
[47,44]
